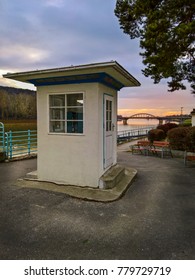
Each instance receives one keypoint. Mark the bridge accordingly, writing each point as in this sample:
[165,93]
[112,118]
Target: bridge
[173,118]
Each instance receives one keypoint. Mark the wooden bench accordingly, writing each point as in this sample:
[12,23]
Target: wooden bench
[161,147]
[142,147]
[188,156]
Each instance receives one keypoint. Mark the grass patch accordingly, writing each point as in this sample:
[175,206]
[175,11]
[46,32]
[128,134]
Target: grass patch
[187,122]
[19,125]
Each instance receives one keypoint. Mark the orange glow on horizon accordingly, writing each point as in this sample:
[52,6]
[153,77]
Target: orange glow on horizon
[155,112]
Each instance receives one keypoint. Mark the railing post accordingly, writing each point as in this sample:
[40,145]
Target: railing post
[10,144]
[2,135]
[6,144]
[29,142]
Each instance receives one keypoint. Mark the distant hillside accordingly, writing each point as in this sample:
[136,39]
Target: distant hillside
[17,103]
[12,90]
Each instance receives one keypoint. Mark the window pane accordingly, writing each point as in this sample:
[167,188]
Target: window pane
[66,113]
[110,126]
[75,99]
[106,126]
[57,126]
[110,107]
[75,113]
[107,104]
[57,114]
[74,127]
[57,100]
[110,115]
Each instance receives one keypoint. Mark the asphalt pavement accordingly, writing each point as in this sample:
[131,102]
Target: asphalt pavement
[154,219]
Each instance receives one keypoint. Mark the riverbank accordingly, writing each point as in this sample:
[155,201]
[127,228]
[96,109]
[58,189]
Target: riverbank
[19,125]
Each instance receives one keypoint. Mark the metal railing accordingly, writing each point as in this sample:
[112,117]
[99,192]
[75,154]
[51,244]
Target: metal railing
[2,142]
[133,133]
[20,143]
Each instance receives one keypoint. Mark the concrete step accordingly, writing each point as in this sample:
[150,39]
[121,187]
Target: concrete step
[112,177]
[32,175]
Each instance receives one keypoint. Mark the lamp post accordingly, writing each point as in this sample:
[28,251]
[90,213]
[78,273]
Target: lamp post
[181,115]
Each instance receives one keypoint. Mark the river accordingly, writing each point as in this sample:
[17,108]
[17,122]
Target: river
[134,124]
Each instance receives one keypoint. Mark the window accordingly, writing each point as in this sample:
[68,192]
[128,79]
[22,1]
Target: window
[108,115]
[66,113]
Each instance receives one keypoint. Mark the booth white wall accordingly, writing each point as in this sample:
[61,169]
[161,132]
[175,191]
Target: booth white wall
[74,158]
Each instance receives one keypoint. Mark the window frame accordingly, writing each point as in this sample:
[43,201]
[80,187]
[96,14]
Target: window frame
[65,107]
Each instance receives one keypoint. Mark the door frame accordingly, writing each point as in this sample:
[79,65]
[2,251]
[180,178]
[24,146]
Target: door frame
[108,97]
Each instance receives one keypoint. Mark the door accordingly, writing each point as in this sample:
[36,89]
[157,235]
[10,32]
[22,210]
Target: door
[108,130]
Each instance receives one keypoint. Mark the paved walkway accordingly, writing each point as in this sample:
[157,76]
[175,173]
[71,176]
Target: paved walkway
[155,219]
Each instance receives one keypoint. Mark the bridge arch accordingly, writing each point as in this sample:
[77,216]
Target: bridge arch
[140,116]
[143,115]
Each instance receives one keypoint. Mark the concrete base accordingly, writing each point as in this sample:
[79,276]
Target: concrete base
[32,175]
[126,175]
[112,177]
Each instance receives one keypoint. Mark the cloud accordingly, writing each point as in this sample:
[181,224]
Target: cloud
[54,3]
[12,83]
[24,54]
[43,34]
[71,34]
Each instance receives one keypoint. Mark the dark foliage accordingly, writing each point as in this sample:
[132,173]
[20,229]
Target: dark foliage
[190,140]
[12,90]
[156,135]
[177,138]
[166,32]
[167,126]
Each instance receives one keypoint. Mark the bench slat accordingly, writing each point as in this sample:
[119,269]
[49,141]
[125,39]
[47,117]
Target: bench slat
[142,147]
[161,147]
[188,157]
[145,147]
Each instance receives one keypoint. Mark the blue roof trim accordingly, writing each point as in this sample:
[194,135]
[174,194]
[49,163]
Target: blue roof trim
[77,79]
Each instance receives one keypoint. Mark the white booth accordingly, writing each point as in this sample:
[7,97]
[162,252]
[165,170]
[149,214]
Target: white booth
[77,120]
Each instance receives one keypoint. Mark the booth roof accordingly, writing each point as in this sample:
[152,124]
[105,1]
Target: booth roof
[110,73]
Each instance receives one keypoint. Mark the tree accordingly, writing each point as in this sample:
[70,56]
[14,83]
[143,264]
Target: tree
[166,29]
[17,103]
[4,105]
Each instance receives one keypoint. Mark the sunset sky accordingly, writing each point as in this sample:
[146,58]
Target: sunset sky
[43,34]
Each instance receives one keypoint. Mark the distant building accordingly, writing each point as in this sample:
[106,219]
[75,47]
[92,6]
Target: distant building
[193,117]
